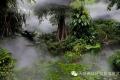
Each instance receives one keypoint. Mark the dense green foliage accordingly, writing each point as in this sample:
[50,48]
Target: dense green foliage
[80,23]
[115,61]
[74,10]
[10,19]
[85,37]
[81,35]
[107,31]
[72,48]
[6,65]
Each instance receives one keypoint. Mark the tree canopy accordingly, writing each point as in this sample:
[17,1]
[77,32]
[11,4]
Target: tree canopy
[114,2]
[60,10]
[10,19]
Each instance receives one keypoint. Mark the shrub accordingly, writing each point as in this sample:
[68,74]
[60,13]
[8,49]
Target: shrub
[80,23]
[71,57]
[75,54]
[107,30]
[93,48]
[72,47]
[54,46]
[115,61]
[6,65]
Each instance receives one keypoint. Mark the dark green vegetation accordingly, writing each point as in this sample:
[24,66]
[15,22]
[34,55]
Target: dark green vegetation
[86,36]
[69,71]
[72,48]
[10,19]
[104,32]
[6,65]
[114,2]
[115,61]
[62,12]
[80,22]
[80,36]
[107,31]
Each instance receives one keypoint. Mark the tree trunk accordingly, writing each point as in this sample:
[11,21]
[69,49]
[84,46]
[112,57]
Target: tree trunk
[62,29]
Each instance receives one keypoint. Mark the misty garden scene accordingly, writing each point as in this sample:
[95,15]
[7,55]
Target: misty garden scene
[59,39]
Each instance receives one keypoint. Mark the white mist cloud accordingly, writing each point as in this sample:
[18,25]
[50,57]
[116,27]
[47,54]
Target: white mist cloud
[99,11]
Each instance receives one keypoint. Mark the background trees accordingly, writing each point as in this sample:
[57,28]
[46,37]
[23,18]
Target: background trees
[10,19]
[73,11]
[59,13]
[113,2]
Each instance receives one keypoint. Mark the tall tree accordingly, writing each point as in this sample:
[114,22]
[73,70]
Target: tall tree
[58,10]
[61,10]
[10,19]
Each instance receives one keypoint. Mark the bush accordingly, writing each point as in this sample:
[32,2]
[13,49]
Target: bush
[6,65]
[75,54]
[80,23]
[72,47]
[115,61]
[71,57]
[107,31]
[54,46]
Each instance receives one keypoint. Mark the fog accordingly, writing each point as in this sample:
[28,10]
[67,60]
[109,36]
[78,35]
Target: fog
[100,61]
[99,11]
[30,58]
[27,54]
[33,23]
